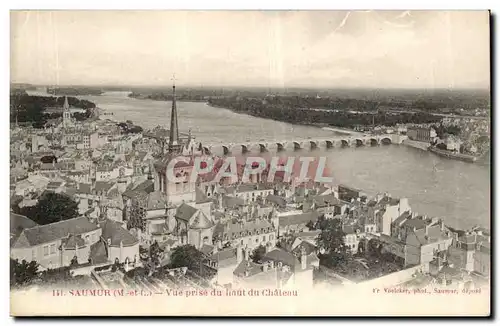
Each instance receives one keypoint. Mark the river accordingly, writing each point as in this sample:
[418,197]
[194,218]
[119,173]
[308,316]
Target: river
[456,191]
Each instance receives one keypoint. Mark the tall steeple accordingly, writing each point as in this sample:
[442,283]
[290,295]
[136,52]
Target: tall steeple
[66,113]
[66,104]
[173,142]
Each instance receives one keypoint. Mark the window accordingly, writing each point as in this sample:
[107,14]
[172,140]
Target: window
[45,250]
[256,240]
[242,242]
[33,254]
[271,237]
[52,249]
[264,238]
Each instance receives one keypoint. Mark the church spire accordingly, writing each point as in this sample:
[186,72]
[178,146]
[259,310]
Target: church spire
[66,113]
[66,104]
[173,143]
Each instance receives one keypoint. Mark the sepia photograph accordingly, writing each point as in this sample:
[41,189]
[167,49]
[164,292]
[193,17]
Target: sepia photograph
[250,163]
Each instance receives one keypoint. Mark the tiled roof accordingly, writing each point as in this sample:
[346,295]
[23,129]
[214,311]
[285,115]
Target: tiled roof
[200,221]
[70,191]
[185,212]
[307,246]
[279,255]
[54,231]
[201,197]
[18,223]
[232,202]
[238,230]
[98,252]
[73,241]
[84,188]
[246,266]
[297,219]
[415,223]
[156,200]
[325,200]
[402,218]
[246,187]
[103,186]
[206,249]
[278,200]
[114,231]
[224,257]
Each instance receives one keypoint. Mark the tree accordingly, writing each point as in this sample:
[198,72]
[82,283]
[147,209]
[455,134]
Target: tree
[331,241]
[62,275]
[52,208]
[186,256]
[258,253]
[155,254]
[374,248]
[135,130]
[22,273]
[310,225]
[74,261]
[136,219]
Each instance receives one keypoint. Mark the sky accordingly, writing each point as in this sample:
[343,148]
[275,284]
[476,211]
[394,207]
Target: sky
[353,49]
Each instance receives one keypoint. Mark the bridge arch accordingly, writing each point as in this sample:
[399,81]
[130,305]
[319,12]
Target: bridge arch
[225,150]
[256,148]
[236,149]
[386,141]
[344,143]
[359,142]
[329,144]
[373,142]
[313,145]
[297,146]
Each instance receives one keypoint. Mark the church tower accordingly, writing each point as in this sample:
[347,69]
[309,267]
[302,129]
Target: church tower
[66,113]
[174,145]
[176,192]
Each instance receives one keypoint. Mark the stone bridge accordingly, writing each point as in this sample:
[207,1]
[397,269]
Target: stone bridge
[311,144]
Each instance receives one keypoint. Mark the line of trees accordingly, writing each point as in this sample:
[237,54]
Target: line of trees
[338,113]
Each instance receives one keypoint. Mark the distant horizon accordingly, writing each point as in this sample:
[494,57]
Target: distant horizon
[192,86]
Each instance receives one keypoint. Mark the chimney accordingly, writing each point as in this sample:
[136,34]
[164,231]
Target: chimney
[303,258]
[121,251]
[239,254]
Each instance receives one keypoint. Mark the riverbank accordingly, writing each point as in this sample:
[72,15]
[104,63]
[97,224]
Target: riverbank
[452,155]
[416,144]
